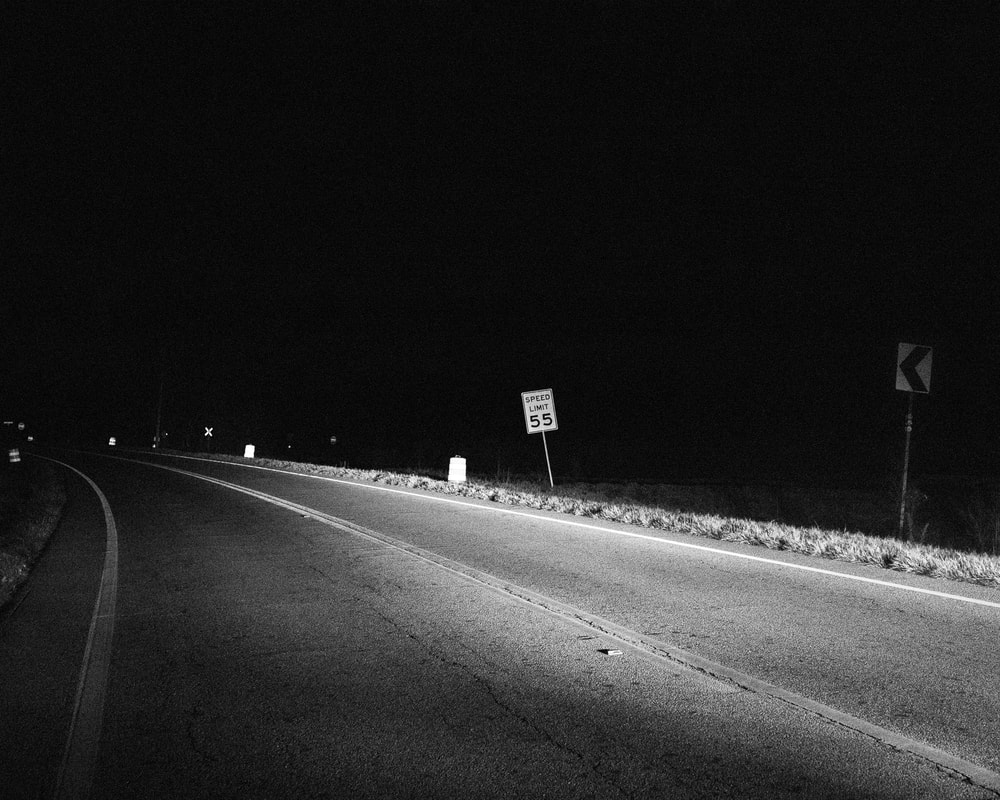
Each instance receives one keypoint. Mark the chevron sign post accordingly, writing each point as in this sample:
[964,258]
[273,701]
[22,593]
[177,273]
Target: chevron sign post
[913,376]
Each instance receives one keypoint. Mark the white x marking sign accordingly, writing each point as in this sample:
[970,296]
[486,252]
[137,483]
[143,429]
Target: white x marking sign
[208,431]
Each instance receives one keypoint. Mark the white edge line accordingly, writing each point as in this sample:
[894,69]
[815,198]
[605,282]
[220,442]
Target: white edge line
[576,523]
[635,642]
[76,770]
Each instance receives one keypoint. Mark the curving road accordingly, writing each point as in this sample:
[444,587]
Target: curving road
[303,637]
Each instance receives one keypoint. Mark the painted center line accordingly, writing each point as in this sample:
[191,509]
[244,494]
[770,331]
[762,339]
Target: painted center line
[664,653]
[617,532]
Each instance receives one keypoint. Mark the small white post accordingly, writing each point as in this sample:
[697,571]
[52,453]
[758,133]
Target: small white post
[456,469]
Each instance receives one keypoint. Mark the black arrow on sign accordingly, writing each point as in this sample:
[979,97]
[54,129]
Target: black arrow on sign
[909,367]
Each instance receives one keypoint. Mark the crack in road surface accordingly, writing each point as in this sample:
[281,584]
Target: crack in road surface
[486,688]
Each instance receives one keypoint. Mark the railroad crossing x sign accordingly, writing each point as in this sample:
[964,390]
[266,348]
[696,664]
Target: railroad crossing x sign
[913,368]
[208,433]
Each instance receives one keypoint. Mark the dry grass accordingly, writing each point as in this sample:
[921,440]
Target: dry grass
[980,514]
[27,520]
[841,545]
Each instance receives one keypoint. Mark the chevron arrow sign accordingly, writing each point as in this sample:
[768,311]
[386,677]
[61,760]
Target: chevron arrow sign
[913,368]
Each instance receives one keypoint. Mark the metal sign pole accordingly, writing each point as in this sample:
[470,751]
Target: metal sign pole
[547,464]
[906,464]
[159,413]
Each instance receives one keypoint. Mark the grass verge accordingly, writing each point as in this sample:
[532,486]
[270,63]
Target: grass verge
[840,545]
[30,508]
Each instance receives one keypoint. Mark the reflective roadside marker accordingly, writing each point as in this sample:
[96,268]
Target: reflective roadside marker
[14,455]
[913,368]
[456,469]
[112,441]
[248,451]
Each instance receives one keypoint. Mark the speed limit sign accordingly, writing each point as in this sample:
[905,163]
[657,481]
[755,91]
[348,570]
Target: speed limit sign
[539,411]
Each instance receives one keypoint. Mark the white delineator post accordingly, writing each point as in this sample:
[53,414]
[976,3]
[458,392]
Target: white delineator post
[456,469]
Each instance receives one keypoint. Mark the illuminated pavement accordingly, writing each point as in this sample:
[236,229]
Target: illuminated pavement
[262,653]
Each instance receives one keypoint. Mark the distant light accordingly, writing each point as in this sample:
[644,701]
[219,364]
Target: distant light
[333,440]
[20,426]
[31,438]
[112,442]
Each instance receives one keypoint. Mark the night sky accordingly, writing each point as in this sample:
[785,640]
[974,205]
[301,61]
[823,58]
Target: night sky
[706,226]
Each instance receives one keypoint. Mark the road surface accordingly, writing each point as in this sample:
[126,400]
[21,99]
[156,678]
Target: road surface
[315,638]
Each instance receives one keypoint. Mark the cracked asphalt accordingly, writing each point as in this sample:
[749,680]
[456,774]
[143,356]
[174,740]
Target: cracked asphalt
[262,654]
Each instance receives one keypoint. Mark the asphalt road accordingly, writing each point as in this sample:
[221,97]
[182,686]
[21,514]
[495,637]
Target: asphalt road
[361,642]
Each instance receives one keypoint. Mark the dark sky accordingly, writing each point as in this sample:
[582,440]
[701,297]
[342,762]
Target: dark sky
[706,226]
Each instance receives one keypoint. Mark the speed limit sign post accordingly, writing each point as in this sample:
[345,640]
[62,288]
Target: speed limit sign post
[540,416]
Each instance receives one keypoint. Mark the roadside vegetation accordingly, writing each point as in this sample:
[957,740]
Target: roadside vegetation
[836,524]
[31,502]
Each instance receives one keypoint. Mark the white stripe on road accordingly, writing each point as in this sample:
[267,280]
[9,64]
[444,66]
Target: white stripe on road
[576,523]
[76,771]
[633,641]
